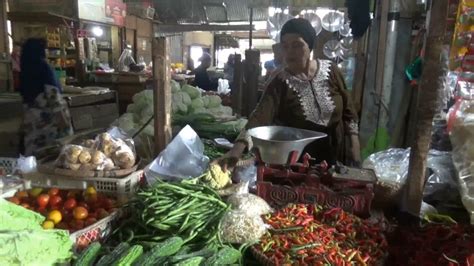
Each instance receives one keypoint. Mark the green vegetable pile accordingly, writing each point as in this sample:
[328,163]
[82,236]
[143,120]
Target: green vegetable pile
[190,211]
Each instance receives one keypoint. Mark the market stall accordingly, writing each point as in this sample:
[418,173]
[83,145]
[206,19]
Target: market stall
[147,190]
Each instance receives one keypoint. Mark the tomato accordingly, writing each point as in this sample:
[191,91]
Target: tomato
[55,216]
[42,200]
[109,204]
[48,224]
[76,224]
[14,200]
[42,211]
[34,192]
[53,191]
[62,225]
[90,198]
[67,214]
[70,204]
[90,221]
[90,191]
[72,194]
[55,200]
[83,204]
[80,213]
[101,213]
[26,205]
[21,194]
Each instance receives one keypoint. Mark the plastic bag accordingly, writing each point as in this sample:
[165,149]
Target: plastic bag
[461,125]
[441,185]
[390,166]
[237,227]
[115,147]
[125,59]
[183,158]
[250,204]
[25,165]
[246,173]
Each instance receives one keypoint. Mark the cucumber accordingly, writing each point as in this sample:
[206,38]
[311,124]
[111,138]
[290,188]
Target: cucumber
[161,250]
[206,252]
[194,261]
[89,255]
[226,255]
[114,255]
[129,256]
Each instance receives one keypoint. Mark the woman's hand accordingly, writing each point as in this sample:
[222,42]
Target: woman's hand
[232,157]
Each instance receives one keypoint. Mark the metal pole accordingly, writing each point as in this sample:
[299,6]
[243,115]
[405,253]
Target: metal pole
[251,28]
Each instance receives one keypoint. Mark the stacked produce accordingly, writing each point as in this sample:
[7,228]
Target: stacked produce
[66,209]
[203,113]
[310,235]
[103,153]
[432,244]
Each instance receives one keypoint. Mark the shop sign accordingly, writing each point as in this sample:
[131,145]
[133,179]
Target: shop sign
[106,11]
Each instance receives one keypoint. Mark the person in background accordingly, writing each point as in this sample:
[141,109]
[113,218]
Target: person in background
[190,64]
[307,94]
[16,69]
[46,115]
[229,69]
[276,64]
[201,78]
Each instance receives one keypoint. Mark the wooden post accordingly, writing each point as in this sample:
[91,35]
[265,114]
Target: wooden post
[237,85]
[250,86]
[6,75]
[434,67]
[161,93]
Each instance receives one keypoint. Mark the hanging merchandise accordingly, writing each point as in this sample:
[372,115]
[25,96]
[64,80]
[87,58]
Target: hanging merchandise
[345,30]
[315,21]
[344,54]
[330,49]
[276,22]
[333,21]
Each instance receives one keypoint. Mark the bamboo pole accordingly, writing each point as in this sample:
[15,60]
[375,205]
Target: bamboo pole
[434,68]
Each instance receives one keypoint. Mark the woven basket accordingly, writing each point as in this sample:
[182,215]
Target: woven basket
[387,195]
[261,258]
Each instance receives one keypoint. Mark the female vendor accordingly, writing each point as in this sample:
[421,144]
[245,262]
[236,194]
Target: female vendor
[307,94]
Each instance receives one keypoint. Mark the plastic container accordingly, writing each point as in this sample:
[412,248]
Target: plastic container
[120,187]
[7,165]
[95,232]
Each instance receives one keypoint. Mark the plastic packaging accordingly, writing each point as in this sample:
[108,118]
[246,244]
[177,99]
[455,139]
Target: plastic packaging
[250,204]
[237,227]
[246,173]
[183,158]
[26,164]
[390,166]
[461,125]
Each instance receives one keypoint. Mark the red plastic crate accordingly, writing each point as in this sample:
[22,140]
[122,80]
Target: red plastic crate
[302,183]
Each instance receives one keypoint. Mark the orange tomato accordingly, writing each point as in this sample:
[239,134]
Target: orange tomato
[14,200]
[48,224]
[53,191]
[80,213]
[55,200]
[55,216]
[21,194]
[42,200]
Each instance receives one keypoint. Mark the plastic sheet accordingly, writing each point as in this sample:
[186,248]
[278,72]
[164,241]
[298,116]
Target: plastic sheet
[461,126]
[250,204]
[25,165]
[237,227]
[183,158]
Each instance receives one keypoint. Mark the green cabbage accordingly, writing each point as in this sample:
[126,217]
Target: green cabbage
[205,100]
[214,101]
[186,97]
[175,86]
[182,108]
[197,103]
[192,91]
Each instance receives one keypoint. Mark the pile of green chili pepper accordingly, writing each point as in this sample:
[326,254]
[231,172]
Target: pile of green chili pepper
[310,235]
[432,244]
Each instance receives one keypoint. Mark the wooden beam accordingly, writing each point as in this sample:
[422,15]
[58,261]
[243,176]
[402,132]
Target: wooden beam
[432,81]
[250,86]
[237,85]
[161,93]
[166,28]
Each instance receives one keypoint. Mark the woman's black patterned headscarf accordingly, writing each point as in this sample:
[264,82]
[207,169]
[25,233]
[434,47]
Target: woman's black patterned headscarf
[302,27]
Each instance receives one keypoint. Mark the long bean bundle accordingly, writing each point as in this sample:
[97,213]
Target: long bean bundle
[190,211]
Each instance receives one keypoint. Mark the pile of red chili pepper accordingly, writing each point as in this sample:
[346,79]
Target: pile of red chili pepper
[432,244]
[310,235]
